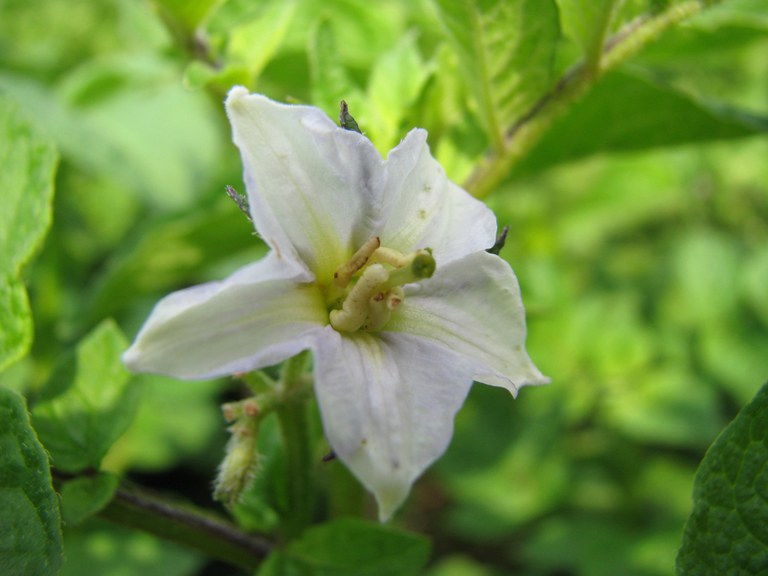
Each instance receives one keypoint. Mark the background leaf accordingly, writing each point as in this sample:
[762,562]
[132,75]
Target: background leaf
[351,547]
[26,180]
[629,112]
[587,22]
[84,496]
[88,402]
[507,51]
[727,532]
[30,532]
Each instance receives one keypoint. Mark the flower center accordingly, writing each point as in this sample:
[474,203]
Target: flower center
[368,288]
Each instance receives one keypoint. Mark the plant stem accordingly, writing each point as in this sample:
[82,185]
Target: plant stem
[521,137]
[294,424]
[186,525]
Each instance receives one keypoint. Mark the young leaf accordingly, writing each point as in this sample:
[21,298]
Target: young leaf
[350,547]
[727,532]
[30,527]
[88,402]
[84,496]
[26,180]
[506,48]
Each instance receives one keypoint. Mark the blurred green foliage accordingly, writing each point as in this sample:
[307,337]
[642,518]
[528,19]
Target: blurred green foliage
[638,230]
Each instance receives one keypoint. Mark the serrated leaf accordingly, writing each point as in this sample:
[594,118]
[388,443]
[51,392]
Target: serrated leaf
[626,112]
[350,547]
[507,50]
[26,191]
[84,496]
[727,532]
[88,402]
[30,527]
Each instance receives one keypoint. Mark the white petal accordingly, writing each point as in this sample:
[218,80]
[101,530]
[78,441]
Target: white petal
[307,179]
[259,316]
[422,208]
[473,307]
[388,404]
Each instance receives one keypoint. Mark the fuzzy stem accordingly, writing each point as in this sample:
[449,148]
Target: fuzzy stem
[293,417]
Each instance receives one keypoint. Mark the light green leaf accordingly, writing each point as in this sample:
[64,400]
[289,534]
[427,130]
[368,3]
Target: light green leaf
[587,22]
[164,147]
[330,81]
[395,83]
[350,547]
[727,532]
[30,527]
[26,191]
[88,402]
[187,13]
[507,50]
[84,496]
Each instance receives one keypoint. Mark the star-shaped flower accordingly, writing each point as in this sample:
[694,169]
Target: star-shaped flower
[379,267]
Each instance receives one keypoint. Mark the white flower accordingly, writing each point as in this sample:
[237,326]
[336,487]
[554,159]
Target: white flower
[354,240]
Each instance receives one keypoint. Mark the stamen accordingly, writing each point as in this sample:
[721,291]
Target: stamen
[355,308]
[344,273]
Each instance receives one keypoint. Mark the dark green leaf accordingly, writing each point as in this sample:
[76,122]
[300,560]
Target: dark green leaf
[626,112]
[84,496]
[88,402]
[26,191]
[30,527]
[727,532]
[507,49]
[348,547]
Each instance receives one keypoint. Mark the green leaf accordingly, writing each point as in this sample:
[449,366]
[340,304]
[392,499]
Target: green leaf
[105,549]
[330,81]
[30,531]
[507,49]
[727,532]
[626,112]
[350,547]
[164,147]
[84,496]
[396,82]
[26,180]
[169,252]
[187,13]
[88,402]
[587,22]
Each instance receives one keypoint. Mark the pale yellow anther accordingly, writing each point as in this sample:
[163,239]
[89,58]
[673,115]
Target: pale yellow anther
[344,273]
[355,308]
[388,256]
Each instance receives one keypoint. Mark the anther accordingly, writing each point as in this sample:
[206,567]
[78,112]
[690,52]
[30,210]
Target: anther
[344,273]
[355,308]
